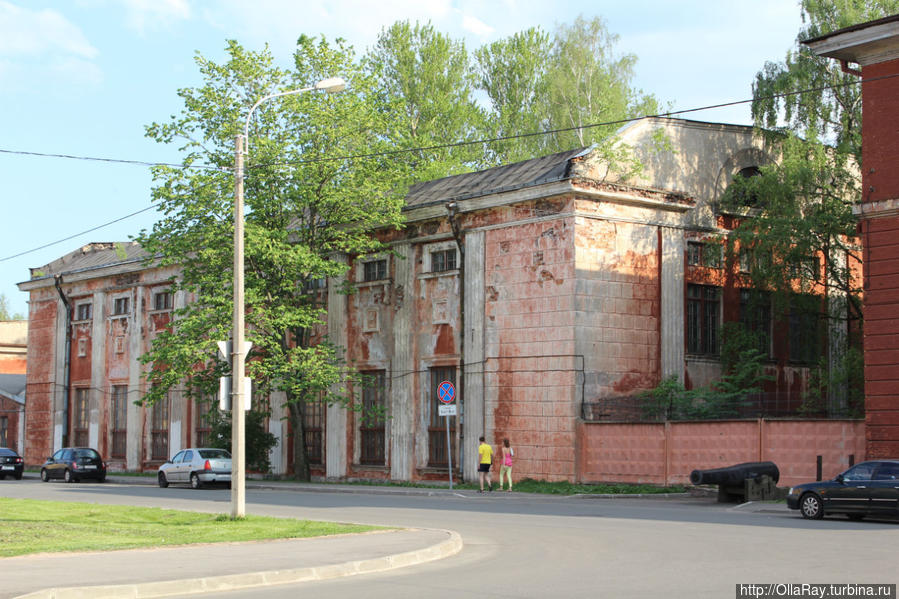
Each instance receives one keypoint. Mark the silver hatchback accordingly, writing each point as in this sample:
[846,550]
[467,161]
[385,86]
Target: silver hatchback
[197,466]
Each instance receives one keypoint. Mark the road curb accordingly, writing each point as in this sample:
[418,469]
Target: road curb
[232,582]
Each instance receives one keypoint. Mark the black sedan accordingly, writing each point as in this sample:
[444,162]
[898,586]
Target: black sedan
[72,464]
[11,464]
[867,489]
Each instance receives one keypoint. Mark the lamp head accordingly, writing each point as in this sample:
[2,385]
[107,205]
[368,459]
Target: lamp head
[331,85]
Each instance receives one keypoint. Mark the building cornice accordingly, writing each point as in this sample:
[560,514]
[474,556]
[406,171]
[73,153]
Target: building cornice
[85,274]
[880,209]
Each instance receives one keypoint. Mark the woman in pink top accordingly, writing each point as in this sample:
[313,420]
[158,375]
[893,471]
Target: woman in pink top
[505,468]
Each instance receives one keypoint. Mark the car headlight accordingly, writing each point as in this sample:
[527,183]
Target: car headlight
[793,490]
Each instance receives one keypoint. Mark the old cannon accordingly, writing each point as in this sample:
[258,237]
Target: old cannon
[741,482]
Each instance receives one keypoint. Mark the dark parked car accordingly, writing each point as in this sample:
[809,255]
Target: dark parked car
[11,463]
[867,489]
[197,466]
[72,464]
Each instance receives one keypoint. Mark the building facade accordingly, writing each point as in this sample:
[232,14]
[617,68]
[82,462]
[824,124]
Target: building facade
[536,288]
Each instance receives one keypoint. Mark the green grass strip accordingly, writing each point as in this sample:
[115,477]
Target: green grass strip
[33,526]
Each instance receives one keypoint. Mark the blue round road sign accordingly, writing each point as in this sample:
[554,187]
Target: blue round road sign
[446,393]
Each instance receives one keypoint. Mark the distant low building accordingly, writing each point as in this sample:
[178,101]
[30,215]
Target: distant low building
[12,411]
[13,346]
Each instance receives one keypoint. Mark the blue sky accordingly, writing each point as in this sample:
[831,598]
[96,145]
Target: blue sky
[83,78]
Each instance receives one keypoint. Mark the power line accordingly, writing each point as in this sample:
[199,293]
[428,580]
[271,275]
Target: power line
[112,160]
[91,230]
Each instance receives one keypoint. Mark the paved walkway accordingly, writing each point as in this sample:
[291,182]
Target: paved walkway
[165,571]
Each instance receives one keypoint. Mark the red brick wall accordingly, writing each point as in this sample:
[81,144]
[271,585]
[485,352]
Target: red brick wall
[666,453]
[880,132]
[530,319]
[41,381]
[881,339]
[880,237]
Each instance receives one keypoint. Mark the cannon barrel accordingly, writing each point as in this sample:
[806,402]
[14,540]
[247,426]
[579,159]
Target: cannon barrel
[735,475]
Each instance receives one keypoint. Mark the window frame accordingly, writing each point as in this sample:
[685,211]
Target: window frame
[372,432]
[119,421]
[168,300]
[121,305]
[703,321]
[374,270]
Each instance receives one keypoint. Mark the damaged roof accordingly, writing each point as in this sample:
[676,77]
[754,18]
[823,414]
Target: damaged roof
[545,169]
[92,255]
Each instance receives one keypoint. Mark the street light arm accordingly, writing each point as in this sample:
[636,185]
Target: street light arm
[330,85]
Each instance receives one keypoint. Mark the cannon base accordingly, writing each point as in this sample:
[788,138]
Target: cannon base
[753,489]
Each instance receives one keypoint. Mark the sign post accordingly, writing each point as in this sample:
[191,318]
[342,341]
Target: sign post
[446,393]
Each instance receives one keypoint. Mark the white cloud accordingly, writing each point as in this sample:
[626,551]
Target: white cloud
[39,46]
[33,33]
[476,26]
[148,15]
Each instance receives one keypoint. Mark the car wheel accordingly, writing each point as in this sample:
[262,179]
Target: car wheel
[19,476]
[855,517]
[810,506]
[195,481]
[45,476]
[163,483]
[101,478]
[67,476]
[2,477]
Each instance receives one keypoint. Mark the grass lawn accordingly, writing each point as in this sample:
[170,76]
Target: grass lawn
[32,526]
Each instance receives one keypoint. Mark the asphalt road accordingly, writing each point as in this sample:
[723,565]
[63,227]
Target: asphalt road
[536,546]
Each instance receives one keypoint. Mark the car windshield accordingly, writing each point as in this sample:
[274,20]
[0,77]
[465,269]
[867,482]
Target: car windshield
[86,453]
[215,454]
[861,471]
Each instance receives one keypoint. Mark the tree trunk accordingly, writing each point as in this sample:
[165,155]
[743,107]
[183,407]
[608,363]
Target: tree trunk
[298,425]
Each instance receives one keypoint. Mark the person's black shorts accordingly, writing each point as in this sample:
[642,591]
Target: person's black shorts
[483,467]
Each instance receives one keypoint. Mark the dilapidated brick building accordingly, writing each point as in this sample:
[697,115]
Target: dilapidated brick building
[535,287]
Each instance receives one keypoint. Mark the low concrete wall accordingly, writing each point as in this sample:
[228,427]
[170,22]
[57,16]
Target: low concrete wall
[666,453]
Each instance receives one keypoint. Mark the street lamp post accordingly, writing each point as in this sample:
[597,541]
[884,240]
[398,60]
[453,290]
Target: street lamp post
[238,373]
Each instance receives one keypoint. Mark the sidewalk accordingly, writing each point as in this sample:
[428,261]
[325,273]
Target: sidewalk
[166,571]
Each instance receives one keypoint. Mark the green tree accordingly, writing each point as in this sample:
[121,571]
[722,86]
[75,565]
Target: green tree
[588,82]
[426,80]
[5,313]
[513,73]
[305,211]
[816,182]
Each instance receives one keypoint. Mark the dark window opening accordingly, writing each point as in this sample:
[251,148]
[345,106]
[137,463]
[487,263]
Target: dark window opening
[372,431]
[703,319]
[374,271]
[443,260]
[119,420]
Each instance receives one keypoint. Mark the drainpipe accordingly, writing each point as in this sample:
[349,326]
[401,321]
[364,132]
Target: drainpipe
[452,210]
[67,374]
[844,66]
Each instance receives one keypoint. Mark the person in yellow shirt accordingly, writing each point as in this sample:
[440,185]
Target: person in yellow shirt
[485,460]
